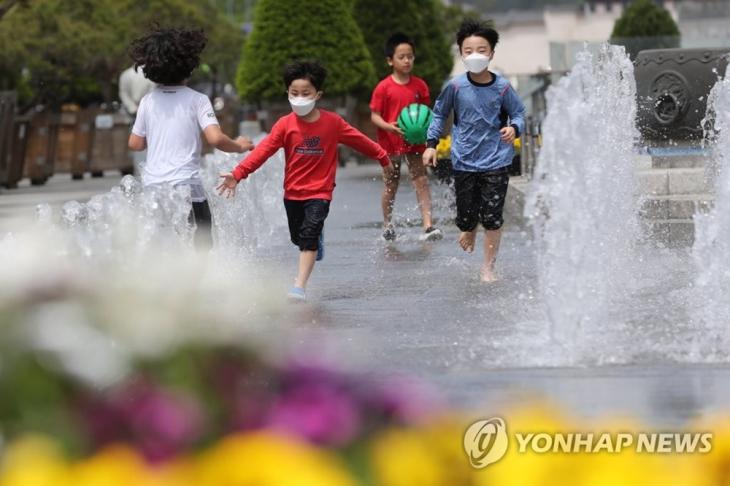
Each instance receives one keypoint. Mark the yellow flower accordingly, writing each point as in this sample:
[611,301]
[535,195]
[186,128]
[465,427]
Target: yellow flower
[431,455]
[114,466]
[268,459]
[716,463]
[33,461]
[443,149]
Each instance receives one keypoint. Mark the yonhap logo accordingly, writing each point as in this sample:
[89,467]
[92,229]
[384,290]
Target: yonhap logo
[485,442]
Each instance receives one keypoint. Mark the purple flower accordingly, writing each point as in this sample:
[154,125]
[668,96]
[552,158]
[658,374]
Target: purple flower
[318,412]
[405,400]
[161,423]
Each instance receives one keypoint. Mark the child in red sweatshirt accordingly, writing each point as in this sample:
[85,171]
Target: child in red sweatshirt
[309,137]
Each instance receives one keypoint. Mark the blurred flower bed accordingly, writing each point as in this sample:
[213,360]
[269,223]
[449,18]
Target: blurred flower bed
[223,416]
[124,365]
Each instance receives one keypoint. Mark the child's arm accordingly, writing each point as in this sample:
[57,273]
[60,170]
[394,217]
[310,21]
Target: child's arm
[137,143]
[441,111]
[516,111]
[255,159]
[215,136]
[354,138]
[380,122]
[377,104]
[138,138]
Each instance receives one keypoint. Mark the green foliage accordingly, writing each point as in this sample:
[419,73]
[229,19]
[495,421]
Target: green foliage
[419,19]
[451,17]
[645,25]
[644,18]
[285,30]
[32,393]
[74,50]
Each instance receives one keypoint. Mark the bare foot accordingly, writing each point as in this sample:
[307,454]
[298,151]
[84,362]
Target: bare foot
[488,275]
[466,240]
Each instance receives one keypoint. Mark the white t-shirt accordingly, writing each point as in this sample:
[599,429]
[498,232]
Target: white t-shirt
[171,118]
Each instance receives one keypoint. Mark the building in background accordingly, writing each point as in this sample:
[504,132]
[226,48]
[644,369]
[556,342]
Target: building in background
[535,41]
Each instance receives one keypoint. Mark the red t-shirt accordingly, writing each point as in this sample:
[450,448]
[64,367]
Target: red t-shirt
[310,152]
[389,98]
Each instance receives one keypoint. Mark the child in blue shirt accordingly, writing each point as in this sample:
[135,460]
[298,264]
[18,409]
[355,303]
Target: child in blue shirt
[488,116]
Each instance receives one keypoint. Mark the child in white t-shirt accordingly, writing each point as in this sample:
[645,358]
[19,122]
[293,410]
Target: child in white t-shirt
[171,117]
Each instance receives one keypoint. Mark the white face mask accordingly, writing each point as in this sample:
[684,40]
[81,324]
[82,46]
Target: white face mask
[476,63]
[302,106]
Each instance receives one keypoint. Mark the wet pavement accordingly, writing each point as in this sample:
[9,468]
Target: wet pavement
[419,308]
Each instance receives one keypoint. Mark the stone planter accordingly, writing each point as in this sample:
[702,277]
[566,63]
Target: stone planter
[41,149]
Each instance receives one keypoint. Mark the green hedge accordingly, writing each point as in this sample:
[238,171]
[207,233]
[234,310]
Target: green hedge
[285,30]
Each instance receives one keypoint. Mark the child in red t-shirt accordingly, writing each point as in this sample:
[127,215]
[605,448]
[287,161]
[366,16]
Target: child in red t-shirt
[309,137]
[390,96]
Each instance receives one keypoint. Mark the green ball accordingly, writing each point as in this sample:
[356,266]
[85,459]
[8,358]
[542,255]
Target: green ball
[413,121]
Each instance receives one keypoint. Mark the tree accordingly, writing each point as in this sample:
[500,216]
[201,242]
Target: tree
[6,5]
[452,16]
[420,20]
[284,31]
[74,50]
[645,25]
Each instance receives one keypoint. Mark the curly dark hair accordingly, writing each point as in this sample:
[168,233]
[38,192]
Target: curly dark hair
[168,56]
[472,27]
[310,70]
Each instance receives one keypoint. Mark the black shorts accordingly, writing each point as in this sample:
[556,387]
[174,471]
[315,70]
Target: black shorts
[306,220]
[480,198]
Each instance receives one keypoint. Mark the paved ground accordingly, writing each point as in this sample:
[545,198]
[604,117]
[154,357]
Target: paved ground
[419,308]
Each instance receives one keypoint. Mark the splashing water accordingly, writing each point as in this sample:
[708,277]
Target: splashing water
[581,201]
[247,221]
[117,276]
[711,250]
[128,221]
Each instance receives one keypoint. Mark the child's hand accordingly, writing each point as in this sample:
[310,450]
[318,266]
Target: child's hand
[507,134]
[430,157]
[245,144]
[388,171]
[228,186]
[394,128]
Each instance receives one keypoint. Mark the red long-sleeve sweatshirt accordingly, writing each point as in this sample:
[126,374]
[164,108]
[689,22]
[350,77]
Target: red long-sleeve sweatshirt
[310,151]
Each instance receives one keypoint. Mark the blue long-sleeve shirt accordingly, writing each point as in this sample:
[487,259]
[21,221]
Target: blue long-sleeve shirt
[480,110]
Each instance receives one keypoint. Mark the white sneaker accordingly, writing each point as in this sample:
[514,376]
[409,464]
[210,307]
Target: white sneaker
[431,234]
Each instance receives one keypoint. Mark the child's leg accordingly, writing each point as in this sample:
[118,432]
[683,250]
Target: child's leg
[491,247]
[493,192]
[315,211]
[390,186]
[306,265]
[466,187]
[203,219]
[418,174]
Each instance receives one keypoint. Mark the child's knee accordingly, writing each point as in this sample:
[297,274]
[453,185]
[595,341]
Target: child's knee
[308,244]
[391,181]
[492,221]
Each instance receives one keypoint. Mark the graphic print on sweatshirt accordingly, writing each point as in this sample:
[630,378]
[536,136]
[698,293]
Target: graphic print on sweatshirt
[310,146]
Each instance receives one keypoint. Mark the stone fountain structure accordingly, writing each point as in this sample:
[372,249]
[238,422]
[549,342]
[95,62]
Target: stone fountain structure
[672,89]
